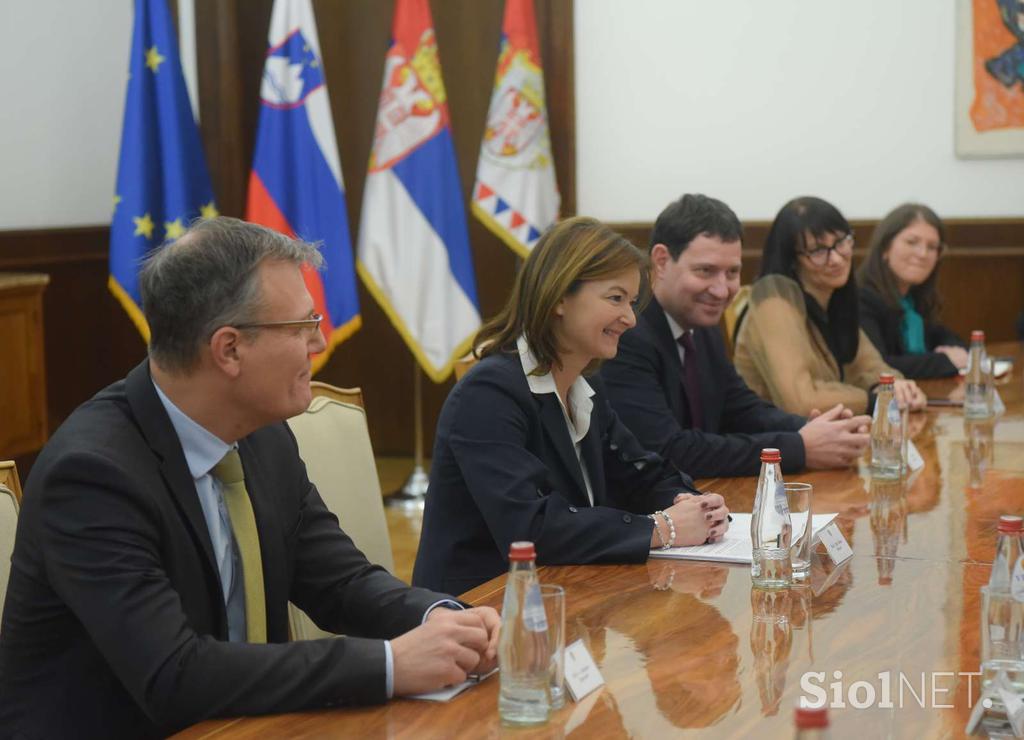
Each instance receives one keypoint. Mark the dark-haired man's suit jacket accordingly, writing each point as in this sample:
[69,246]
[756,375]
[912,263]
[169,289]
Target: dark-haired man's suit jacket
[645,387]
[114,624]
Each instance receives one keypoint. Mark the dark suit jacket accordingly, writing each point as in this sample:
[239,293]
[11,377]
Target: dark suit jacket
[645,388]
[505,469]
[114,624]
[881,322]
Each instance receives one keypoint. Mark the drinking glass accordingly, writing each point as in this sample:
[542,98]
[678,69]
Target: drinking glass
[554,608]
[798,497]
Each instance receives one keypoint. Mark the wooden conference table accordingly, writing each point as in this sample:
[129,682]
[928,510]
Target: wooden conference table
[690,648]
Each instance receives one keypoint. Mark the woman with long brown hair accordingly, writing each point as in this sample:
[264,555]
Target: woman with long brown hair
[899,303]
[528,448]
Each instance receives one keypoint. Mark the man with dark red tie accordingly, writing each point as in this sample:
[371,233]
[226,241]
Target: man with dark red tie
[672,382]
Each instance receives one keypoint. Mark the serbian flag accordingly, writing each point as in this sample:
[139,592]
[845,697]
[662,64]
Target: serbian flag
[162,180]
[515,194]
[413,244]
[295,185]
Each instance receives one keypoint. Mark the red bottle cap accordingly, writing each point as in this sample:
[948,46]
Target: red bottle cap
[886,379]
[771,455]
[1009,524]
[811,719]
[520,551]
[977,335]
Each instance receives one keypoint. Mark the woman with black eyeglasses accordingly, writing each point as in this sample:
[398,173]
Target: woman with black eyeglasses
[899,304]
[800,344]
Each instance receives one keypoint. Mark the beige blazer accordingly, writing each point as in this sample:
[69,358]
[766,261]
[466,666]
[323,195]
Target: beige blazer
[784,358]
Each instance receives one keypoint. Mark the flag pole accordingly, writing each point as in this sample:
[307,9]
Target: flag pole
[414,492]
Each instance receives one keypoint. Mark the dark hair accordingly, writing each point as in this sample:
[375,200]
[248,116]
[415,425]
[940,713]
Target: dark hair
[876,274]
[570,253]
[206,279]
[685,219]
[786,238]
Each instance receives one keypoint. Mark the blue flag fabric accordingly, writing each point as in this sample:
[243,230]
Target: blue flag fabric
[162,180]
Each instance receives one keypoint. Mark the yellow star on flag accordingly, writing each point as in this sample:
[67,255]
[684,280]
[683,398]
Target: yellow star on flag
[144,226]
[154,59]
[209,210]
[117,199]
[174,228]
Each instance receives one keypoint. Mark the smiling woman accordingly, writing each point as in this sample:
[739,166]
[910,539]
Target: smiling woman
[528,449]
[800,344]
[899,303]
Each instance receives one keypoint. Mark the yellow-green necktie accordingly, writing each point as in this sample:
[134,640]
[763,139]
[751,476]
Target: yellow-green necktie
[243,523]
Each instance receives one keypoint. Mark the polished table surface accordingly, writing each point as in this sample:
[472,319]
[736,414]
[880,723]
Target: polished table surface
[690,648]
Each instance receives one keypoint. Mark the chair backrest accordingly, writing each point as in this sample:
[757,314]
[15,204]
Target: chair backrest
[10,500]
[9,478]
[732,315]
[353,396]
[334,442]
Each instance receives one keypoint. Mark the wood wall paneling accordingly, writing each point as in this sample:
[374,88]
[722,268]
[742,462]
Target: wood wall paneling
[89,340]
[23,422]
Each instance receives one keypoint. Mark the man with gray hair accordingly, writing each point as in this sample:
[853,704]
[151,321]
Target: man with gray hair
[169,521]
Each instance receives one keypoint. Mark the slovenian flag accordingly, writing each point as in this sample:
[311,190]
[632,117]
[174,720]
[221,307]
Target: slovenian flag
[295,185]
[515,194]
[162,180]
[413,250]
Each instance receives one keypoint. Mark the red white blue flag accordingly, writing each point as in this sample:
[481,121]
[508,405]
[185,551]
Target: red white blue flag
[413,250]
[296,185]
[515,194]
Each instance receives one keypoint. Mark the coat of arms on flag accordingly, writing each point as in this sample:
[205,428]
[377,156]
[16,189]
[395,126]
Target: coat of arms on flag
[413,250]
[516,195]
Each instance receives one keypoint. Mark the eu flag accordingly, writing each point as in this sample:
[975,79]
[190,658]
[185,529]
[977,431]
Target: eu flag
[162,180]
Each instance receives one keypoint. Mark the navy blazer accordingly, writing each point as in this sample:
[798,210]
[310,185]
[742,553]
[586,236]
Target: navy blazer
[881,322]
[645,388]
[114,608]
[505,469]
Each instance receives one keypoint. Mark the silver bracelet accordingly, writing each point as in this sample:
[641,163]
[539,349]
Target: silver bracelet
[671,530]
[661,538]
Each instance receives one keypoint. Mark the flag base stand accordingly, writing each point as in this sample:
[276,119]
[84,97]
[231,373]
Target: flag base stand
[413,494]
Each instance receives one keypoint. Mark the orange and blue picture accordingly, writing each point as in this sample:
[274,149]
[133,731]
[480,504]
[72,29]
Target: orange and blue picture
[998,64]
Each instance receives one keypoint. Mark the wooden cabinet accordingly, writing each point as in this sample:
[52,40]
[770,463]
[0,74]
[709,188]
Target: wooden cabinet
[23,426]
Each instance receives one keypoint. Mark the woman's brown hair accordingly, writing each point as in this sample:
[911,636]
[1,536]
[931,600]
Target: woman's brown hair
[876,274]
[570,253]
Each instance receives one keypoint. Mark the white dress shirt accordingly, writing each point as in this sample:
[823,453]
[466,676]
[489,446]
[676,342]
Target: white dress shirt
[581,404]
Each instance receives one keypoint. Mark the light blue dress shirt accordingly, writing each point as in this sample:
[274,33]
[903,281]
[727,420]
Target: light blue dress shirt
[203,450]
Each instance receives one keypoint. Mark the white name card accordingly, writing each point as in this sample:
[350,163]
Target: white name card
[914,460]
[838,548]
[581,672]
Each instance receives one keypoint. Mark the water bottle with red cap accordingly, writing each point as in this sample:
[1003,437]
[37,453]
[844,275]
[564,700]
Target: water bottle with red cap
[978,392]
[887,428]
[1002,623]
[523,651]
[771,530]
[811,724]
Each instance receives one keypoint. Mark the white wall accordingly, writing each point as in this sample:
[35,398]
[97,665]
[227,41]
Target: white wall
[753,101]
[65,65]
[757,101]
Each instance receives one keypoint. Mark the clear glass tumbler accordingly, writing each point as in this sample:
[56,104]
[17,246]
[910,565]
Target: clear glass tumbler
[798,496]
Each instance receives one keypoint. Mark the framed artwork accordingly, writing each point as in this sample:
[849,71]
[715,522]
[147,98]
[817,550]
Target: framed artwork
[990,78]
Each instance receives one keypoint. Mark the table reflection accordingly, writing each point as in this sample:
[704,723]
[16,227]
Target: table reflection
[979,449]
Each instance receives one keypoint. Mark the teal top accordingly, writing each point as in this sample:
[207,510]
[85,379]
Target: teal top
[912,327]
